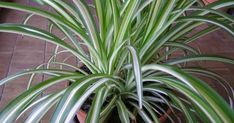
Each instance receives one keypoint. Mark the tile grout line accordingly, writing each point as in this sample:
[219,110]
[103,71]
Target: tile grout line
[45,50]
[10,64]
[44,60]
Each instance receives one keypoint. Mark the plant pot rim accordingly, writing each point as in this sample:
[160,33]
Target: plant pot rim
[81,116]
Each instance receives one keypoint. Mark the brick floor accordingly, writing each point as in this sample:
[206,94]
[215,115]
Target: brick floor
[18,53]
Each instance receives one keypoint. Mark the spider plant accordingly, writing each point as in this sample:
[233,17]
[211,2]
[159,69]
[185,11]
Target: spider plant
[128,45]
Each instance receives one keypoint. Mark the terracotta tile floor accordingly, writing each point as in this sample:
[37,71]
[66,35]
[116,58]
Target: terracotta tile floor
[18,53]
